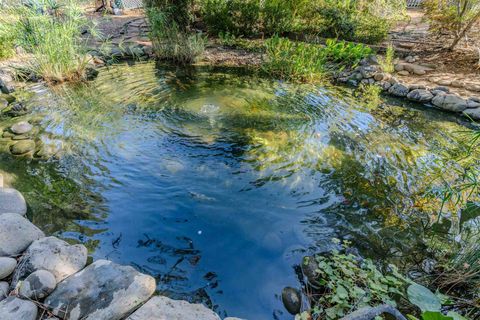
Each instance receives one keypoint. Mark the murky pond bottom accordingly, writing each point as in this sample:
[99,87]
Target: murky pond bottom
[217,182]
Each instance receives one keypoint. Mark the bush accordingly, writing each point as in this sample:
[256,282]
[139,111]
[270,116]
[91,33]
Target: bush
[359,20]
[172,43]
[180,11]
[279,16]
[239,17]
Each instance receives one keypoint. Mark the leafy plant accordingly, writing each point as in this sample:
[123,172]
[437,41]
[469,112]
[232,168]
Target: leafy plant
[346,53]
[350,283]
[294,61]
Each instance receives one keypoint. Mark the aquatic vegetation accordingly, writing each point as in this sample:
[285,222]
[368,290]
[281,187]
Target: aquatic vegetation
[52,32]
[294,61]
[344,283]
[308,62]
[370,95]
[386,62]
[346,54]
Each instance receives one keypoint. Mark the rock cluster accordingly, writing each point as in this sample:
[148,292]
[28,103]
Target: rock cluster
[439,97]
[38,272]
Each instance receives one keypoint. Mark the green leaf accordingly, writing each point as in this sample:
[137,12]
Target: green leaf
[342,292]
[430,315]
[423,298]
[456,316]
[410,317]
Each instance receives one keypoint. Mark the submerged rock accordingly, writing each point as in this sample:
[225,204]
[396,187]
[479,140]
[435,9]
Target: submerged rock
[7,265]
[292,300]
[3,103]
[420,95]
[101,291]
[53,255]
[13,308]
[398,90]
[12,201]
[16,234]
[38,285]
[473,113]
[22,147]
[165,308]
[450,102]
[21,127]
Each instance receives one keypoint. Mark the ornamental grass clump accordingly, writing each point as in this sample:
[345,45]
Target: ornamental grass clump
[52,33]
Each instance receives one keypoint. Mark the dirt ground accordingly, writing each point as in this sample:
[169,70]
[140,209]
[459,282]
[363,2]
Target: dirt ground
[458,69]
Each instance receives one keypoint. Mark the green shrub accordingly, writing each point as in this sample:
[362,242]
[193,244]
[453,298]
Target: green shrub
[172,43]
[358,20]
[279,16]
[294,61]
[180,11]
[239,17]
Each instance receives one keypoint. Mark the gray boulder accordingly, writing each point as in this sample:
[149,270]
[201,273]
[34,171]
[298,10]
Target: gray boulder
[420,95]
[13,308]
[53,255]
[3,290]
[12,201]
[473,113]
[16,234]
[101,291]
[398,90]
[165,308]
[38,285]
[7,265]
[450,102]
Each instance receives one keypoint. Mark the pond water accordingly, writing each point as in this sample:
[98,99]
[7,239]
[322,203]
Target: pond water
[217,182]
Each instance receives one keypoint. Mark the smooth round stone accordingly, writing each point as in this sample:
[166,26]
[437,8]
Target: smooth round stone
[22,147]
[7,265]
[13,308]
[12,201]
[3,290]
[38,285]
[292,300]
[21,127]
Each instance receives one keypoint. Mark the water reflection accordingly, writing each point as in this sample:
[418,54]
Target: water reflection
[217,182]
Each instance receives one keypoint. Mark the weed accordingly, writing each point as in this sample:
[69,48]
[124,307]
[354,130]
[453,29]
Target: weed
[387,62]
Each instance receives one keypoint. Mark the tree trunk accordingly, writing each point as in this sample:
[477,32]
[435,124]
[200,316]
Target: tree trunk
[464,31]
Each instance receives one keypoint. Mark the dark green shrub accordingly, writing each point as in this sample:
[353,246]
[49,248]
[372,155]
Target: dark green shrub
[279,16]
[238,17]
[180,11]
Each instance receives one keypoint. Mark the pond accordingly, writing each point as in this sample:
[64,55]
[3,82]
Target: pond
[218,182]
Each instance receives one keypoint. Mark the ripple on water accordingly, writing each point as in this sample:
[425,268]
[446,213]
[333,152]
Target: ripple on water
[217,182]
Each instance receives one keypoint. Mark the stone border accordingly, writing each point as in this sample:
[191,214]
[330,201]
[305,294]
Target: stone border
[46,278]
[369,72]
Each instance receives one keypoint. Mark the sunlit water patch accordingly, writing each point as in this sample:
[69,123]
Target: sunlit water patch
[218,183]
